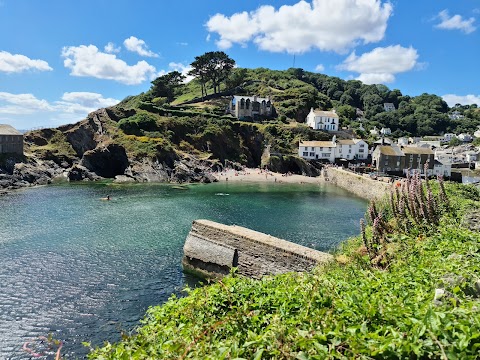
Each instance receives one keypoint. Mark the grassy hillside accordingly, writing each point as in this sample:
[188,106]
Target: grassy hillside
[375,302]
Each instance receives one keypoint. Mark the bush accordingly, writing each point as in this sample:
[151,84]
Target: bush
[138,123]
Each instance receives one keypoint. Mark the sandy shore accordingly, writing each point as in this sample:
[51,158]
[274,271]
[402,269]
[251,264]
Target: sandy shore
[256,175]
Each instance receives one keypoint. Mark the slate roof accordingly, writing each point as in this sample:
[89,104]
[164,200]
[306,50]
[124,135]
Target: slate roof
[417,150]
[6,129]
[390,150]
[317,143]
[325,113]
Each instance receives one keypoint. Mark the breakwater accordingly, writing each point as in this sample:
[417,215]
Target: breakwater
[358,184]
[213,249]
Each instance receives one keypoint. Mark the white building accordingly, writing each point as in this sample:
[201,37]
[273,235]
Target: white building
[389,107]
[374,131]
[465,137]
[322,120]
[334,149]
[402,141]
[471,156]
[442,168]
[449,136]
[477,133]
[455,115]
[385,131]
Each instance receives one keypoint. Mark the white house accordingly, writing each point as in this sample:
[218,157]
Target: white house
[449,136]
[374,131]
[477,133]
[402,141]
[322,120]
[465,137]
[389,107]
[442,168]
[334,149]
[471,156]
[455,115]
[385,131]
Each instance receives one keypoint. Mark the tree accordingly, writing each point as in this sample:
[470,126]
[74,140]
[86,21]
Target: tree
[165,85]
[454,142]
[214,66]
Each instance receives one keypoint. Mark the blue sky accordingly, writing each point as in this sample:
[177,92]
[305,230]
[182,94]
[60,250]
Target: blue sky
[61,59]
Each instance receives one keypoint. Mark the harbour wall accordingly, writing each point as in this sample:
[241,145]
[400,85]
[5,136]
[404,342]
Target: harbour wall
[358,184]
[213,249]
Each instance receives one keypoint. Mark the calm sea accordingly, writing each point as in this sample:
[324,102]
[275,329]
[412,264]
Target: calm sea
[81,269]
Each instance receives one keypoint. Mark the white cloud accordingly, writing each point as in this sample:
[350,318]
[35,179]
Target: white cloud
[319,68]
[452,99]
[11,63]
[22,104]
[381,64]
[111,48]
[84,102]
[327,25]
[139,46]
[25,111]
[88,61]
[456,22]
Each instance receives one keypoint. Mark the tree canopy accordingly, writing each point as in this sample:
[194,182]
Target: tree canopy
[214,66]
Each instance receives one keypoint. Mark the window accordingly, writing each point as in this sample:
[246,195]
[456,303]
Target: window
[305,153]
[361,150]
[312,154]
[326,155]
[349,151]
[362,145]
[312,148]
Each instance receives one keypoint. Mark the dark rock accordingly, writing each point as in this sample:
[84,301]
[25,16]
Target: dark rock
[80,173]
[106,162]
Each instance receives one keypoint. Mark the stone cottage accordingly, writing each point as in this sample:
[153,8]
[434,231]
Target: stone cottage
[11,140]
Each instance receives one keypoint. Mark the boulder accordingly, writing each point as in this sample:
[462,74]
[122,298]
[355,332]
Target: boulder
[81,173]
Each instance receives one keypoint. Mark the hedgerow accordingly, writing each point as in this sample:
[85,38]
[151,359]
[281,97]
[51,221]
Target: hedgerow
[347,309]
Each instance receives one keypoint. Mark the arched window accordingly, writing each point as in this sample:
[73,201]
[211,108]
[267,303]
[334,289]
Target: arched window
[247,104]
[242,104]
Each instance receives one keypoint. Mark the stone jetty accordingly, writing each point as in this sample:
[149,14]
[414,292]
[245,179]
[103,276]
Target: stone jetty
[213,249]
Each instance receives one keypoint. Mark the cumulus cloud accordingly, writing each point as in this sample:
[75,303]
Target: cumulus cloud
[88,61]
[84,102]
[319,68]
[456,22]
[327,25]
[381,64]
[181,68]
[111,48]
[452,99]
[22,104]
[11,63]
[25,111]
[138,46]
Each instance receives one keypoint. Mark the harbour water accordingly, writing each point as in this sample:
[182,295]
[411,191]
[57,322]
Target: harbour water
[81,269]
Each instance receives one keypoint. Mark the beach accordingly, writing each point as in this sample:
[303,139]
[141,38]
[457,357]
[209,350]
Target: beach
[257,175]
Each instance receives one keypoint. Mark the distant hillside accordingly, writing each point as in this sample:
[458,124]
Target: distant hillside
[295,91]
[167,132]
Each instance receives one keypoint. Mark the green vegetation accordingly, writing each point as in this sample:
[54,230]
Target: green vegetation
[353,308]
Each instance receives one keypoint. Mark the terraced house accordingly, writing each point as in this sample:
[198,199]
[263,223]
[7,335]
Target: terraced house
[354,149]
[11,140]
[399,159]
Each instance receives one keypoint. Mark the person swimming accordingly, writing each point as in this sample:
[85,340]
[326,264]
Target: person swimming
[105,198]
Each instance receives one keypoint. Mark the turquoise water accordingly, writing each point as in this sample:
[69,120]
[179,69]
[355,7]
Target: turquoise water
[83,269]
